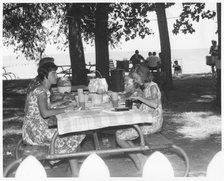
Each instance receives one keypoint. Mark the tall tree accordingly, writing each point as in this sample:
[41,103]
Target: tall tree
[79,75]
[218,86]
[164,42]
[23,27]
[101,39]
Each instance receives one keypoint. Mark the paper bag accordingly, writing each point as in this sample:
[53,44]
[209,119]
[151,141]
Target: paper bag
[98,84]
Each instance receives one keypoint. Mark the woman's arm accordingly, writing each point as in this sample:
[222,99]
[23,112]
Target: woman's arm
[153,101]
[45,111]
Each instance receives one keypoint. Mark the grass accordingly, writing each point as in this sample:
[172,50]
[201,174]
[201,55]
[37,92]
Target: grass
[198,125]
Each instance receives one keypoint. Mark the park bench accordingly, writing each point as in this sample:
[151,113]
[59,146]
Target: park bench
[65,70]
[147,143]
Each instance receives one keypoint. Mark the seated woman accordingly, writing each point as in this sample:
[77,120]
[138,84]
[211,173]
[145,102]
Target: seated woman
[151,103]
[38,111]
[36,82]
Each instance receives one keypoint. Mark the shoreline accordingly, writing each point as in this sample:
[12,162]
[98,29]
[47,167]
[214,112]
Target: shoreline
[191,61]
[183,76]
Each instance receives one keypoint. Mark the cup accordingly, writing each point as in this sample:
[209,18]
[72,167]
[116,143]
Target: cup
[86,98]
[77,99]
[80,91]
[115,103]
[82,101]
[128,103]
[114,98]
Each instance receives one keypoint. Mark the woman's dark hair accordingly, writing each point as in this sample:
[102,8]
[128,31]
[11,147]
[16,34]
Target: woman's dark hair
[45,69]
[45,60]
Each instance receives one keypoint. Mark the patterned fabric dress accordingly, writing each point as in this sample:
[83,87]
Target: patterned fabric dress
[33,84]
[131,133]
[35,127]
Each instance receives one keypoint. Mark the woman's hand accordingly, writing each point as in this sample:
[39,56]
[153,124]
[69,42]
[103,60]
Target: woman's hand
[67,97]
[136,98]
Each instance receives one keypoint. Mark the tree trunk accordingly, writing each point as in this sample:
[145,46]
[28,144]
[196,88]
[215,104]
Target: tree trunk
[218,86]
[164,43]
[79,76]
[101,40]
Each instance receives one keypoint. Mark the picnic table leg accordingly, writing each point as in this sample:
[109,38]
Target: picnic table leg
[11,166]
[96,141]
[185,158]
[142,141]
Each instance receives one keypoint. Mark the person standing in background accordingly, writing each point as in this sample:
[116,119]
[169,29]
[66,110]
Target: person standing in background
[177,68]
[154,62]
[136,58]
[214,52]
[148,59]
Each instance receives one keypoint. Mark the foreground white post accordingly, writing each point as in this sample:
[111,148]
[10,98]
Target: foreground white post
[216,166]
[94,167]
[30,168]
[157,166]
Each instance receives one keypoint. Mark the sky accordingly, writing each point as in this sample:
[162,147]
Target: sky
[205,32]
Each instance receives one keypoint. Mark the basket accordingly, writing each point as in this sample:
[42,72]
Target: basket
[210,60]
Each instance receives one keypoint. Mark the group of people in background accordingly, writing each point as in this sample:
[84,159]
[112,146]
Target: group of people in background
[153,62]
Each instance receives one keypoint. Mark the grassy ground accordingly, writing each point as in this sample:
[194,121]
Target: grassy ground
[191,119]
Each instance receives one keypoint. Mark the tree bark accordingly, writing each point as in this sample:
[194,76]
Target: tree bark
[164,43]
[218,71]
[101,40]
[79,75]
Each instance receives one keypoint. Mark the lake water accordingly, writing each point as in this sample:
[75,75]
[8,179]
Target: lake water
[192,61]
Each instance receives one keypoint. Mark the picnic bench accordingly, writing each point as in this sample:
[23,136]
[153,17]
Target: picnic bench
[147,142]
[65,70]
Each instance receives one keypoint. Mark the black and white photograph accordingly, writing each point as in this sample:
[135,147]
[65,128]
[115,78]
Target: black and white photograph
[111,89]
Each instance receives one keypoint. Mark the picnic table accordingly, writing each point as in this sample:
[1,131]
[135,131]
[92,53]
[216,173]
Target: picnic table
[96,118]
[99,116]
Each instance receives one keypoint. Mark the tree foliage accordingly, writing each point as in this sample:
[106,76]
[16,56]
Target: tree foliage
[24,28]
[191,12]
[24,24]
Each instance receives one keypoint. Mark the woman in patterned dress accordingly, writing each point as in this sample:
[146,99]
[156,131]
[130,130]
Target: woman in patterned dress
[150,103]
[38,111]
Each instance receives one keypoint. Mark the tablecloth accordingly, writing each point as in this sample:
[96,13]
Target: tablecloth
[99,117]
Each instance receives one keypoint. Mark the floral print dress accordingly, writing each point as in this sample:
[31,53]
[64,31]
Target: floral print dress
[131,133]
[35,127]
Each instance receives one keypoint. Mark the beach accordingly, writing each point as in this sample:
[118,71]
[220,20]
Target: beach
[192,61]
